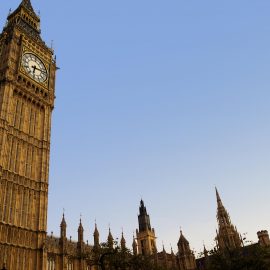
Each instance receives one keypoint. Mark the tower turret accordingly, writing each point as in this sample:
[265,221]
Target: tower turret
[227,235]
[96,237]
[123,242]
[110,240]
[25,18]
[80,243]
[80,232]
[143,217]
[146,238]
[185,255]
[63,228]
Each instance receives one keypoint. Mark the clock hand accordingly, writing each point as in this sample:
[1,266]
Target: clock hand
[34,69]
[38,69]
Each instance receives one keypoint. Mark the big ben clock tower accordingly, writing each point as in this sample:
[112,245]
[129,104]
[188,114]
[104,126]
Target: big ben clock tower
[27,82]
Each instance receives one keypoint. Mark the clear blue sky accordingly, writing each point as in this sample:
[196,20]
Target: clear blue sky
[161,100]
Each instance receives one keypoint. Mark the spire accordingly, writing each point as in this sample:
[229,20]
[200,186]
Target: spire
[222,214]
[182,238]
[63,222]
[80,232]
[63,227]
[27,4]
[219,202]
[142,207]
[110,239]
[227,235]
[123,242]
[163,247]
[143,218]
[96,237]
[183,244]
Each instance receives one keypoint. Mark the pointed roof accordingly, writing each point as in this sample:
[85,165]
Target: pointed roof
[110,239]
[142,208]
[63,222]
[80,226]
[96,232]
[123,241]
[27,4]
[182,239]
[219,202]
[163,249]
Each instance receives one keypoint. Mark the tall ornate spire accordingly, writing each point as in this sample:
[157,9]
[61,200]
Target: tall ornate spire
[227,235]
[219,202]
[222,214]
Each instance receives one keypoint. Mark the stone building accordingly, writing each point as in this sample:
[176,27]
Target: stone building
[27,90]
[63,253]
[145,244]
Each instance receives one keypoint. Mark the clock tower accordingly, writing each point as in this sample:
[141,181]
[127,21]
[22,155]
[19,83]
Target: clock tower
[27,84]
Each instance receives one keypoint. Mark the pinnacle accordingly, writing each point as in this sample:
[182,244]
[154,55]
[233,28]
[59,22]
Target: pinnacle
[219,202]
[80,225]
[182,237]
[27,4]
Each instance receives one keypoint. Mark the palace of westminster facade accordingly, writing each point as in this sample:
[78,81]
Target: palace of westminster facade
[27,93]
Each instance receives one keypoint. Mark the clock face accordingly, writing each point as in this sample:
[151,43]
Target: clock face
[34,67]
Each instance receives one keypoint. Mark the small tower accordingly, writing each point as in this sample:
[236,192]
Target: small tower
[96,237]
[123,242]
[80,236]
[134,246]
[227,235]
[110,240]
[186,256]
[63,228]
[145,235]
[264,240]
